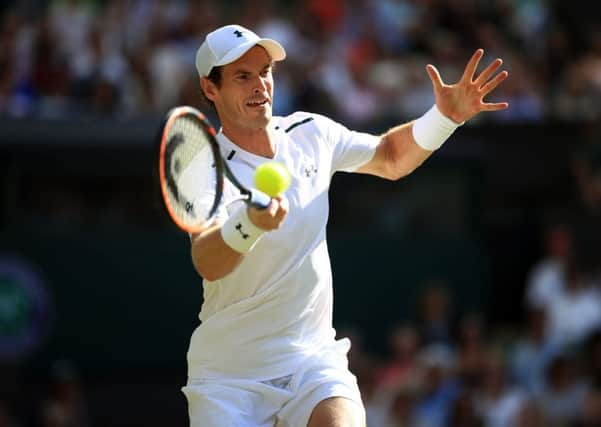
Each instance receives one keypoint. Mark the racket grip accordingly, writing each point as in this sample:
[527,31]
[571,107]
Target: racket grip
[258,199]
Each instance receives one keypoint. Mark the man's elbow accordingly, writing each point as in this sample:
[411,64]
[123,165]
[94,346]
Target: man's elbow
[210,277]
[211,270]
[396,172]
[398,175]
[204,269]
[207,273]
[396,165]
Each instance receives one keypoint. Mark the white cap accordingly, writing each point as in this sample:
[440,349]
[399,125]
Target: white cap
[227,44]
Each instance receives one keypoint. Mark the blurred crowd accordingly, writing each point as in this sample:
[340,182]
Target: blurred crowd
[446,368]
[132,57]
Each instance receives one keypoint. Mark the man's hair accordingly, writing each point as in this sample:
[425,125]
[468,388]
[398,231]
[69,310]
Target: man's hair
[215,77]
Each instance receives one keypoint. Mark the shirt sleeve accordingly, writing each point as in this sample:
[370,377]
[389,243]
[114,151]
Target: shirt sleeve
[350,149]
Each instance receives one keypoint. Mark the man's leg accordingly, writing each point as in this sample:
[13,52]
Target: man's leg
[337,412]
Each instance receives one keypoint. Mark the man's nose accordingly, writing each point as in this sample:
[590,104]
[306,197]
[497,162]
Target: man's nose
[260,85]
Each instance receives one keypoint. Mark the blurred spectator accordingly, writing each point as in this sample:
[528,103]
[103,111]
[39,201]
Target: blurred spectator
[65,405]
[563,398]
[439,387]
[498,403]
[401,370]
[575,313]
[546,279]
[402,410]
[50,76]
[574,99]
[532,352]
[435,315]
[71,23]
[472,351]
[376,404]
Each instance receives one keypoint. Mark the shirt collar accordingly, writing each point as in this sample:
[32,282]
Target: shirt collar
[227,146]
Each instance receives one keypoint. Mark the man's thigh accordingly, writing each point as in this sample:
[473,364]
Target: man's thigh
[233,403]
[337,412]
[325,385]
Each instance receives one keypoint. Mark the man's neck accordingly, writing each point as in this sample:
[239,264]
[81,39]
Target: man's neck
[259,142]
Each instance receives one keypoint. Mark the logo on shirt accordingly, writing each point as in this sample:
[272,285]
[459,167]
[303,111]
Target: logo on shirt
[310,170]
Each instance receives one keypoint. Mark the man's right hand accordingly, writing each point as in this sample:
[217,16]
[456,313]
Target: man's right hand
[271,218]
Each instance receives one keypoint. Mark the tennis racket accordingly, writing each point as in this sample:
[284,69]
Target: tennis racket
[192,171]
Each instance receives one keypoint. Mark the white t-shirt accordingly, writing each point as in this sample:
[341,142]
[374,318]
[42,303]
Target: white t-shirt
[545,282]
[574,315]
[274,310]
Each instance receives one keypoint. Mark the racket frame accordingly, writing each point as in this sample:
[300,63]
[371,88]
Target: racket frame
[253,197]
[218,164]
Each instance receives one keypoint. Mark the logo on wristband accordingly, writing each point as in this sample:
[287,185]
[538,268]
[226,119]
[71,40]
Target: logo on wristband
[242,233]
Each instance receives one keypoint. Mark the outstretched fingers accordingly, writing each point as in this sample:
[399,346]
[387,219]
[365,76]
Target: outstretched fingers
[435,77]
[494,106]
[488,72]
[471,66]
[492,84]
[462,100]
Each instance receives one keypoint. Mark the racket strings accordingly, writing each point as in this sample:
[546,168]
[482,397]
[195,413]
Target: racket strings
[188,131]
[189,171]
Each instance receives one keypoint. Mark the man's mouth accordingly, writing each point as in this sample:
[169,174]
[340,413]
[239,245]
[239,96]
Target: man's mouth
[257,103]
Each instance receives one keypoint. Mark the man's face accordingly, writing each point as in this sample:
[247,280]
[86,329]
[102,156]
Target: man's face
[244,99]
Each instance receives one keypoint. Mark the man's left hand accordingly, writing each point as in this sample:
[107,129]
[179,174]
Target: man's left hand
[463,100]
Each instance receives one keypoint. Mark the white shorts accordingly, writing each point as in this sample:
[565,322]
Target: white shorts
[281,402]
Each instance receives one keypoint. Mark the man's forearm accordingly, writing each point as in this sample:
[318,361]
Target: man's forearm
[211,256]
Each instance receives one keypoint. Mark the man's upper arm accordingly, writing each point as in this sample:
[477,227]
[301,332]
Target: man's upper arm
[350,149]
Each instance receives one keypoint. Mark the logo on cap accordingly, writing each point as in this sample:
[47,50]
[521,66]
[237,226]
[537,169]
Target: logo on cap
[238,33]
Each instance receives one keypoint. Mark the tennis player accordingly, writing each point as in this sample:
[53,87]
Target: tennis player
[265,353]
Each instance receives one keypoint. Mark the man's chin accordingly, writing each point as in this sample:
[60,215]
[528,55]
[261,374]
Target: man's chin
[263,120]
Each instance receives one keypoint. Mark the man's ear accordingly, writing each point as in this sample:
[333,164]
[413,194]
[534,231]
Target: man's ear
[209,88]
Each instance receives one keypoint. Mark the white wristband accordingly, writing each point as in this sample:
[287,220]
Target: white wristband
[432,129]
[239,233]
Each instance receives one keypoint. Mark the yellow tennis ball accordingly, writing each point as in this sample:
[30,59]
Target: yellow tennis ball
[272,178]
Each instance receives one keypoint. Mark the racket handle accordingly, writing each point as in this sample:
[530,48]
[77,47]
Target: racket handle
[258,199]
